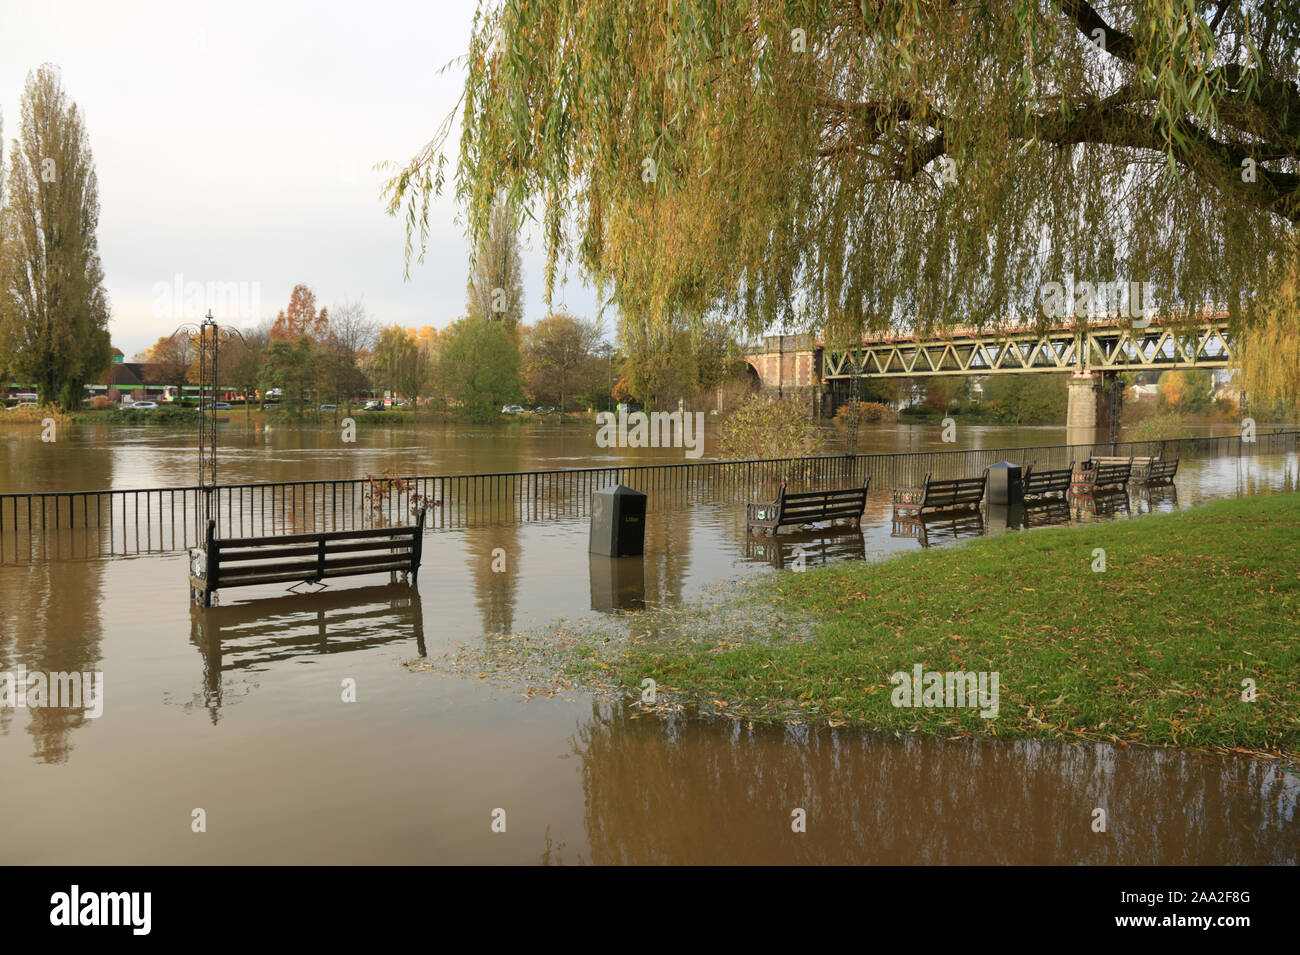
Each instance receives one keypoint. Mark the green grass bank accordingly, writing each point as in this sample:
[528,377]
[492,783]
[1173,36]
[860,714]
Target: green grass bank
[1152,650]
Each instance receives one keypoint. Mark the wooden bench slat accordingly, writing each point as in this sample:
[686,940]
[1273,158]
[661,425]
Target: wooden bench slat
[304,538]
[269,553]
[288,578]
[308,566]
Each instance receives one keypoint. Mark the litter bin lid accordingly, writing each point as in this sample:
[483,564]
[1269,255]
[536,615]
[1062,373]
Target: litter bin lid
[620,490]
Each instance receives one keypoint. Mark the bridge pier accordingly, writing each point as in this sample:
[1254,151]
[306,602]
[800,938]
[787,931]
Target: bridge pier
[1095,400]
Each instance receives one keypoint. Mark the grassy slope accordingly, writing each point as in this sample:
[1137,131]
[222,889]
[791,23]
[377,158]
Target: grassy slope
[1153,650]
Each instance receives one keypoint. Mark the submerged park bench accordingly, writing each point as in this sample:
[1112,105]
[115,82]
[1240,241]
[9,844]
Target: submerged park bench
[1099,473]
[1038,485]
[1155,472]
[303,558]
[958,494]
[1143,470]
[806,507]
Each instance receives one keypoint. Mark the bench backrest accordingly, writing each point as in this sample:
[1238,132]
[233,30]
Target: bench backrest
[1112,473]
[245,561]
[1039,482]
[1163,469]
[956,491]
[802,506]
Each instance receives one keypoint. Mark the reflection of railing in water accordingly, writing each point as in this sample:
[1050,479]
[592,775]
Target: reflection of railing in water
[82,524]
[260,633]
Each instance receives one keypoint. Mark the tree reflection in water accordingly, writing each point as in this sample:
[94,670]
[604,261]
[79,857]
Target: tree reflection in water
[677,789]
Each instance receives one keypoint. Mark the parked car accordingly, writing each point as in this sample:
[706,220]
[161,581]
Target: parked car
[275,393]
[372,406]
[329,407]
[143,405]
[513,409]
[547,409]
[270,404]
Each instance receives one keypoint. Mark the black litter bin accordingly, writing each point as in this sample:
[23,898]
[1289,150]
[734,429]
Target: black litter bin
[618,522]
[1004,484]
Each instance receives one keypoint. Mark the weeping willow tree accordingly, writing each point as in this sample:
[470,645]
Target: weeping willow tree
[1270,348]
[845,165]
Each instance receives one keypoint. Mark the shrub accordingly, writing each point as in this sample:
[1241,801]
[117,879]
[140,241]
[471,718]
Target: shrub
[1157,427]
[859,414]
[764,427]
[34,415]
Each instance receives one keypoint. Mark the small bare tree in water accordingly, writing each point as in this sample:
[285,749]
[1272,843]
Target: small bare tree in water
[383,493]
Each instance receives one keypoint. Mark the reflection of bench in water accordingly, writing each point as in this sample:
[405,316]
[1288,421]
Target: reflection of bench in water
[941,527]
[1160,497]
[1103,502]
[815,547]
[1045,513]
[262,633]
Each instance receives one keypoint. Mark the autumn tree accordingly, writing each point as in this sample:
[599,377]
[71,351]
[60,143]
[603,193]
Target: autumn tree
[865,165]
[1185,391]
[240,361]
[351,334]
[557,350]
[301,318]
[174,359]
[289,365]
[53,307]
[394,354]
[668,363]
[478,364]
[1027,399]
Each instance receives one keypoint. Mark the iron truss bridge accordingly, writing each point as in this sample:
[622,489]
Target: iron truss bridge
[1099,348]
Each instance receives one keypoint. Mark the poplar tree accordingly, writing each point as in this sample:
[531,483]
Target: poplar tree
[53,308]
[496,284]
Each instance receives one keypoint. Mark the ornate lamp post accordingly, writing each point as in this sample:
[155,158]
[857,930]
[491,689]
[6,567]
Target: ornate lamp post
[209,337]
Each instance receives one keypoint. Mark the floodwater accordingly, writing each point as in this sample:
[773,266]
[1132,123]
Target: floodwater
[239,711]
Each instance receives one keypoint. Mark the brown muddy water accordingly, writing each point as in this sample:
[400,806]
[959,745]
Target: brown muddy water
[239,711]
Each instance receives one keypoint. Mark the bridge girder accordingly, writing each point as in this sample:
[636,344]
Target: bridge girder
[1206,344]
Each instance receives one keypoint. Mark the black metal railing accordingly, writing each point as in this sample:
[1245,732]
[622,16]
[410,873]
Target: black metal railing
[124,522]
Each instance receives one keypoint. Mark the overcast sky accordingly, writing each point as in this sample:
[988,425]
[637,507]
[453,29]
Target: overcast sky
[235,142]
